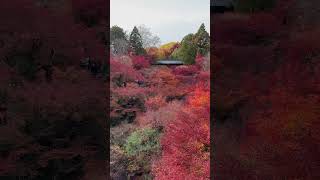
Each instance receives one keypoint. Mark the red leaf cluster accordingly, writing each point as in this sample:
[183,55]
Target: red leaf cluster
[140,62]
[186,141]
[186,70]
[119,68]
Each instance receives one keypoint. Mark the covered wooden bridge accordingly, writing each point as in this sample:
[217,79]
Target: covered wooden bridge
[168,62]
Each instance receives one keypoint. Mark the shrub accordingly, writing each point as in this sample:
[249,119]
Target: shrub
[125,108]
[121,72]
[142,141]
[186,70]
[186,141]
[140,62]
[140,147]
[154,103]
[162,77]
[161,117]
[117,163]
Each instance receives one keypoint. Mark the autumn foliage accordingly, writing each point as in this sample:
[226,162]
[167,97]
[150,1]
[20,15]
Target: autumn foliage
[140,62]
[186,141]
[266,94]
[169,104]
[166,50]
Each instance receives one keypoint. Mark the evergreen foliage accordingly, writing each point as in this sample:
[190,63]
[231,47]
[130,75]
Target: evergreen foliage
[135,42]
[202,40]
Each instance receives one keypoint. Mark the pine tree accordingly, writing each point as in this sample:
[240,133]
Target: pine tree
[136,42]
[202,40]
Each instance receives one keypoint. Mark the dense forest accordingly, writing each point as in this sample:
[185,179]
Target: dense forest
[266,90]
[160,115]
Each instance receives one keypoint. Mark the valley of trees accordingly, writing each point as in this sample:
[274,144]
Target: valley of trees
[146,44]
[160,115]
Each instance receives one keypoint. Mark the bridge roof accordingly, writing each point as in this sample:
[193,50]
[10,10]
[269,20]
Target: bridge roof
[168,62]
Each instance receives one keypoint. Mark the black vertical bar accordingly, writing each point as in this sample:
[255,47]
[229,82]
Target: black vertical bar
[107,59]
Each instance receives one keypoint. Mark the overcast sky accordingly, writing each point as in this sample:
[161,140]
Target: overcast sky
[171,20]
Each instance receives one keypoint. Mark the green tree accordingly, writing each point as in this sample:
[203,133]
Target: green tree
[202,40]
[135,42]
[118,40]
[117,32]
[187,51]
[142,141]
[141,146]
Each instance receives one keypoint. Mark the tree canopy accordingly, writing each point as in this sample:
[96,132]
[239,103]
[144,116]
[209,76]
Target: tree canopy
[202,40]
[118,40]
[135,41]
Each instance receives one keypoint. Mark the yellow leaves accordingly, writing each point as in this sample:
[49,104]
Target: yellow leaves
[161,54]
[169,45]
[166,50]
[163,51]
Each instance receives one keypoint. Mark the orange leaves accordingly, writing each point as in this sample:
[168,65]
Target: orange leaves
[152,52]
[163,77]
[201,97]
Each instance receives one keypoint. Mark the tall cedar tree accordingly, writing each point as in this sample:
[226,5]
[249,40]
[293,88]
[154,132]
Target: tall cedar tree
[136,42]
[202,40]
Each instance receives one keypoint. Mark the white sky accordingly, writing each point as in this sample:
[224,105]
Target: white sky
[171,20]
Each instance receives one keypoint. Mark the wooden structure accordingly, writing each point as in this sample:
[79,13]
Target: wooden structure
[168,62]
